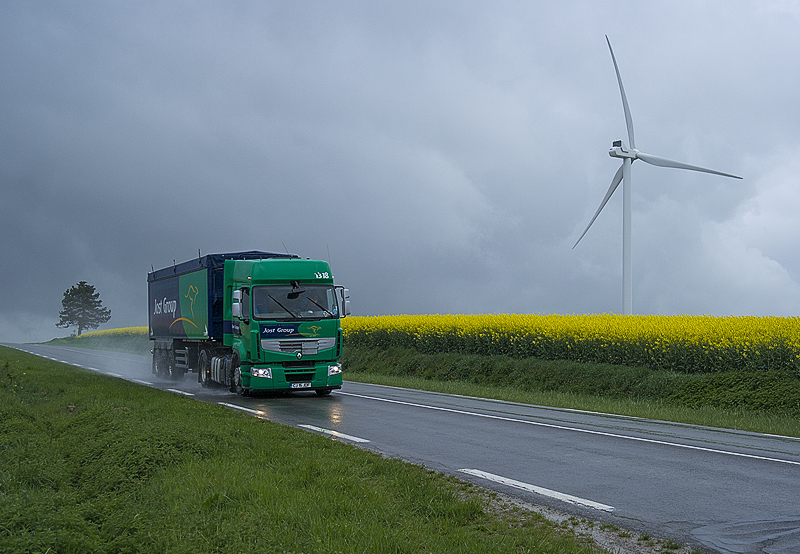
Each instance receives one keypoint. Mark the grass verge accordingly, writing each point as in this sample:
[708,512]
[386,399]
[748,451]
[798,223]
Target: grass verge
[95,464]
[761,401]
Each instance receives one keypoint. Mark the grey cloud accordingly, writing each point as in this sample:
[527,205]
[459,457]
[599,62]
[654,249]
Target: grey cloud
[446,155]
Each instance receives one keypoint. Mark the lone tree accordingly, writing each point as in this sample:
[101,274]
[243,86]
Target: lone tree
[82,307]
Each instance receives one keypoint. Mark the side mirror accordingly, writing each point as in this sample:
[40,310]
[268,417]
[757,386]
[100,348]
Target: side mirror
[344,301]
[236,304]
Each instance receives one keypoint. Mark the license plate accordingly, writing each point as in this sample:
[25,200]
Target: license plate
[300,385]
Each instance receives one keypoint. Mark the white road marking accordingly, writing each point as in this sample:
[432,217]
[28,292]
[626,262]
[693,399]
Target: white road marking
[538,490]
[148,383]
[336,434]
[112,374]
[183,392]
[576,429]
[258,413]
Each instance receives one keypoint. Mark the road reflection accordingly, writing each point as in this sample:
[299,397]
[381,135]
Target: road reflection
[297,408]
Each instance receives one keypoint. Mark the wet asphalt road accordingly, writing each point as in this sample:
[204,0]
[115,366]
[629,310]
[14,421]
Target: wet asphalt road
[725,491]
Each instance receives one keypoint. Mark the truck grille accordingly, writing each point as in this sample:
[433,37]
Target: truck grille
[290,346]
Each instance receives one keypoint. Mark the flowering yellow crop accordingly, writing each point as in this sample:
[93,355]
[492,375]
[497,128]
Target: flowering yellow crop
[681,343]
[121,332]
[691,344]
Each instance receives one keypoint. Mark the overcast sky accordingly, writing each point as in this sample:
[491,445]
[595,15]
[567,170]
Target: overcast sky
[443,156]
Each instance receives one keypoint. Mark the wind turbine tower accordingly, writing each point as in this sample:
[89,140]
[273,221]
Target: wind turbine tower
[628,156]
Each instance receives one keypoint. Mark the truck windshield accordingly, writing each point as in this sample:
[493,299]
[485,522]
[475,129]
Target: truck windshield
[287,302]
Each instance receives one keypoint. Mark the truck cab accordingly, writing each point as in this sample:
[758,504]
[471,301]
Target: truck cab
[285,325]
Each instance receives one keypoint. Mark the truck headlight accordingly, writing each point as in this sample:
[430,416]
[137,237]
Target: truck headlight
[334,369]
[261,372]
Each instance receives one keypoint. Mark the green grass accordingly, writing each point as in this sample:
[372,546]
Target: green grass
[96,464]
[762,401]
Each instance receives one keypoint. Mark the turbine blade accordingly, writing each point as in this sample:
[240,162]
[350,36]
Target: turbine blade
[626,109]
[614,184]
[664,162]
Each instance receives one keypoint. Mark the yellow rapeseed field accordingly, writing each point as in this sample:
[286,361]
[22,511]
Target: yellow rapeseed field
[681,343]
[118,333]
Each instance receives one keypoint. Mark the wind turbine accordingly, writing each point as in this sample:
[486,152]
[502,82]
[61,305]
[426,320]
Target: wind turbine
[628,156]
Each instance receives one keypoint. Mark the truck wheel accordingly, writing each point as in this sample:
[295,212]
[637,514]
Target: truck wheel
[203,368]
[323,392]
[237,382]
[235,375]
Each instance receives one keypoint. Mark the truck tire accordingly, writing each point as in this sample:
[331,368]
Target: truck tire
[235,375]
[237,382]
[323,392]
[203,368]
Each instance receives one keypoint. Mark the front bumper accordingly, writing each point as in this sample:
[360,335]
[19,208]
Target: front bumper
[324,375]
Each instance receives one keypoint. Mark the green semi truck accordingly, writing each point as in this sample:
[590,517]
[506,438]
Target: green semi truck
[250,321]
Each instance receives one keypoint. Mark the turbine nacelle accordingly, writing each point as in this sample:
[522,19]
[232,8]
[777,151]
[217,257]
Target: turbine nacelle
[618,150]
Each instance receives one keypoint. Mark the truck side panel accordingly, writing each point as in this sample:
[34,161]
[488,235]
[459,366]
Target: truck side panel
[178,306]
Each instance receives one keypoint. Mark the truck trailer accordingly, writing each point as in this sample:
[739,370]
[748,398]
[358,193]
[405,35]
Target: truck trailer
[250,321]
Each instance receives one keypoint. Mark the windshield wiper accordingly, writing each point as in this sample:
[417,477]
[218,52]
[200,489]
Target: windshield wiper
[319,306]
[287,310]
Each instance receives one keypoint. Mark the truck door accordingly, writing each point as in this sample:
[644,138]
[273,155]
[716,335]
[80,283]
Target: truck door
[246,323]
